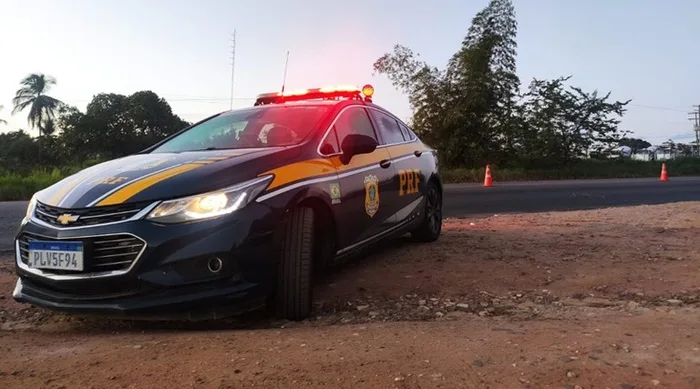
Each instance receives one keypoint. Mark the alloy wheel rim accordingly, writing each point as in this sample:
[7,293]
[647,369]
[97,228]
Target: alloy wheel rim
[434,213]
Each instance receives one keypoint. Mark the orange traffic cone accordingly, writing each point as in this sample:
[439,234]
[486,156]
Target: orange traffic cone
[664,173]
[487,178]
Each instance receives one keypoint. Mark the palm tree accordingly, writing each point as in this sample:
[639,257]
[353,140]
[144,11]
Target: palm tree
[1,120]
[48,126]
[32,94]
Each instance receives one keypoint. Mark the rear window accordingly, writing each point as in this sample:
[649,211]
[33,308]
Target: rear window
[408,134]
[266,126]
[388,128]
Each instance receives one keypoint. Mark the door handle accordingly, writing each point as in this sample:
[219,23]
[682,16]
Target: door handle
[418,153]
[385,163]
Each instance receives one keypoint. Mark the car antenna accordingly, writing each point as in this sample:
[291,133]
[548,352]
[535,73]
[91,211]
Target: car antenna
[284,79]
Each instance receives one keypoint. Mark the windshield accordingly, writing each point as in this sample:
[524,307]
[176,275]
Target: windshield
[268,126]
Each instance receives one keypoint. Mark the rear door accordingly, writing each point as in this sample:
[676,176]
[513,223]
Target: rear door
[364,206]
[406,155]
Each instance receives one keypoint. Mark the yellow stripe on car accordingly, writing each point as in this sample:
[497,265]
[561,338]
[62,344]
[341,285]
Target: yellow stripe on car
[140,185]
[321,166]
[299,171]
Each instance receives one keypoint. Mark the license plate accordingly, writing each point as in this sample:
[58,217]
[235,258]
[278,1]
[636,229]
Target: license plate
[56,255]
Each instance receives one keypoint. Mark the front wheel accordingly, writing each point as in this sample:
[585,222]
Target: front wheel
[294,284]
[429,230]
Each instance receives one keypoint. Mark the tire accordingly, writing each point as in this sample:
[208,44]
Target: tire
[430,228]
[294,283]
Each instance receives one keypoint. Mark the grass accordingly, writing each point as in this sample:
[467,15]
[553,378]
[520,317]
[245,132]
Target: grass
[14,186]
[584,169]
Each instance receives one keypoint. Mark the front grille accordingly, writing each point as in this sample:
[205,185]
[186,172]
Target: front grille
[87,216]
[101,253]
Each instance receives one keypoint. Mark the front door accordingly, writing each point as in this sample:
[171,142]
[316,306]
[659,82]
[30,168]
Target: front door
[366,200]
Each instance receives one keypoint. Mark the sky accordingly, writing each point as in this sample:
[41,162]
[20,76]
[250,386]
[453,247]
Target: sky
[644,50]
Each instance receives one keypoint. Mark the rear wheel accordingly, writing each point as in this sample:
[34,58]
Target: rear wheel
[429,230]
[294,283]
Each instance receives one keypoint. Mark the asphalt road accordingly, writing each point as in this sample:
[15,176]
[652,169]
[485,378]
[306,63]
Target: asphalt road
[514,197]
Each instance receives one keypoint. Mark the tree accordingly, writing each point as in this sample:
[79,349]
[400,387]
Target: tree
[2,121]
[635,144]
[153,117]
[562,124]
[32,94]
[473,113]
[18,151]
[467,111]
[115,125]
[48,126]
[488,54]
[684,149]
[424,85]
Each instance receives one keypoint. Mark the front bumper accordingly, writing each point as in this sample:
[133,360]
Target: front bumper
[201,302]
[169,277]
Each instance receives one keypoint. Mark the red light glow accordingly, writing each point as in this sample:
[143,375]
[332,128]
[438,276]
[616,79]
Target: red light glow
[327,92]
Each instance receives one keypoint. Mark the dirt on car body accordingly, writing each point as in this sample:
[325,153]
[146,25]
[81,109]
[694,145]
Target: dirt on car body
[585,299]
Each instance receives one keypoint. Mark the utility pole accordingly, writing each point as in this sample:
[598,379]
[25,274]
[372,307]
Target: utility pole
[233,64]
[695,118]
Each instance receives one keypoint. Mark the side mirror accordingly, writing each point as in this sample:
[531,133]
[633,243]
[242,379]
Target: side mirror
[355,144]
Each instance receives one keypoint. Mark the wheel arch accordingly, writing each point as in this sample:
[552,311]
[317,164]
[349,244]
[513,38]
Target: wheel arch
[327,236]
[435,178]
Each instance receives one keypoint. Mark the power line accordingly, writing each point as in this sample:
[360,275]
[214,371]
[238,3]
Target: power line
[657,108]
[204,99]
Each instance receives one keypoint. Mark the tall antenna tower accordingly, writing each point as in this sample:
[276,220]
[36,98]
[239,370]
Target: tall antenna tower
[233,64]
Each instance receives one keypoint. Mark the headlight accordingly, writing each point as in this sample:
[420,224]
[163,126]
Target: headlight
[30,209]
[209,205]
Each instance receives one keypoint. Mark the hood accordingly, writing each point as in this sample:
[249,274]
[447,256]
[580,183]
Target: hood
[148,177]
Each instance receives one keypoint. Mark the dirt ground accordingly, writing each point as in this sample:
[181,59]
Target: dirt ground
[586,299]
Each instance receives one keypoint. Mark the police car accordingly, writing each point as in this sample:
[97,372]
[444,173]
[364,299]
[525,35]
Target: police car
[232,213]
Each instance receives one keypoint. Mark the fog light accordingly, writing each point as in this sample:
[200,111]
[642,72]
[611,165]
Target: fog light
[214,265]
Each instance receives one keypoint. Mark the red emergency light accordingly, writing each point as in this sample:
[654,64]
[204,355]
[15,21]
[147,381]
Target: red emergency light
[325,93]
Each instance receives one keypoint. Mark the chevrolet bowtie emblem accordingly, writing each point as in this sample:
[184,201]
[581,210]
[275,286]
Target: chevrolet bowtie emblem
[67,218]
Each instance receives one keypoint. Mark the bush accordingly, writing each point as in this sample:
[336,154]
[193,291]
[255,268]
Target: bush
[583,169]
[17,187]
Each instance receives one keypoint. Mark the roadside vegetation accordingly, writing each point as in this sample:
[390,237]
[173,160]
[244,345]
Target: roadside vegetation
[14,186]
[475,111]
[582,169]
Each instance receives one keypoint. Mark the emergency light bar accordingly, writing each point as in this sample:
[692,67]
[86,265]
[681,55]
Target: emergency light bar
[327,93]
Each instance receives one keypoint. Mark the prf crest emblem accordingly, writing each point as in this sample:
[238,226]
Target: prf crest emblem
[335,193]
[371,195]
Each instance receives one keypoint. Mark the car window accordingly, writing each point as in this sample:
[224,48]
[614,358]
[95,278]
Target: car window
[388,127]
[404,132]
[268,126]
[330,143]
[407,130]
[353,121]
